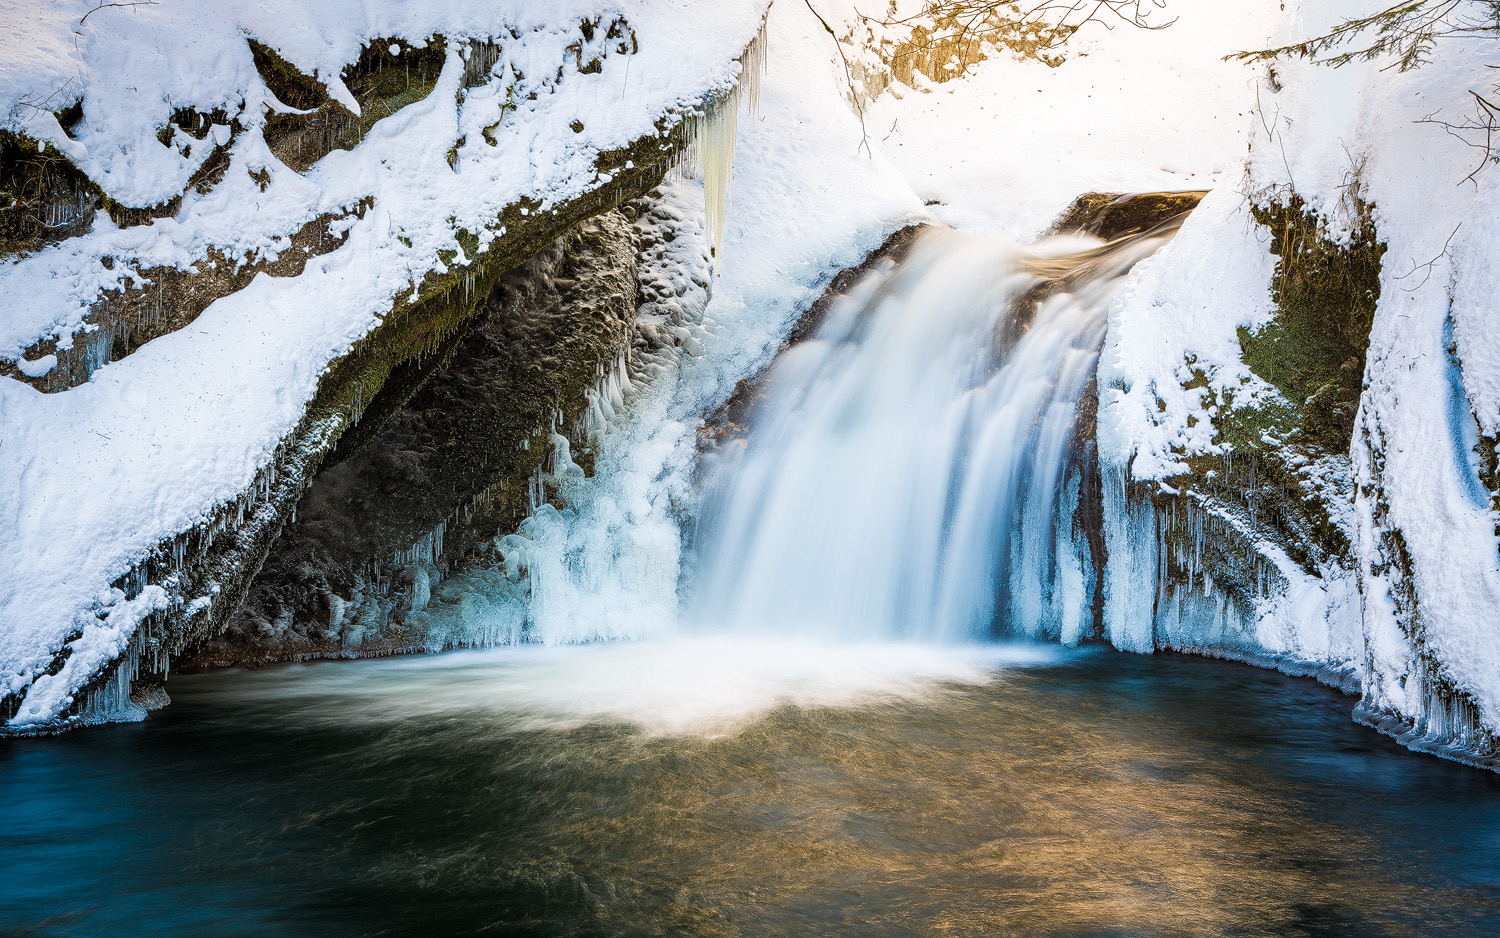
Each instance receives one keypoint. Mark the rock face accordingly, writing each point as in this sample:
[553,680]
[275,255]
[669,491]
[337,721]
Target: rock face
[1272,541]
[732,420]
[455,465]
[1275,497]
[288,254]
[511,413]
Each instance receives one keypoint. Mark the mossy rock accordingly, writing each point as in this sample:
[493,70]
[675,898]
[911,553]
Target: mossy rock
[1284,473]
[382,81]
[1110,215]
[1313,351]
[458,452]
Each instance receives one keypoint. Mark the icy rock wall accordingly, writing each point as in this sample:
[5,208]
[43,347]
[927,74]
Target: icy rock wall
[1297,404]
[468,456]
[597,556]
[149,494]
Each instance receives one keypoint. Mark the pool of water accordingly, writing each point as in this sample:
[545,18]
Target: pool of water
[720,789]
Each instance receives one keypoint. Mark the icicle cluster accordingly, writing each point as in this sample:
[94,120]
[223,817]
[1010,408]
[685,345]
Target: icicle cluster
[711,139]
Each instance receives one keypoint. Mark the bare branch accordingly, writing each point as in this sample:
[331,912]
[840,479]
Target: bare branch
[1427,267]
[1407,31]
[978,20]
[859,107]
[1484,119]
[104,6]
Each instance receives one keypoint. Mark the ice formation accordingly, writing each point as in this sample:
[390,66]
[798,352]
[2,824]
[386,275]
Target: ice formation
[608,564]
[166,449]
[710,154]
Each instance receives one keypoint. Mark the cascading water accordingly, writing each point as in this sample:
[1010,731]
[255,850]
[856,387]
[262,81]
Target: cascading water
[909,478]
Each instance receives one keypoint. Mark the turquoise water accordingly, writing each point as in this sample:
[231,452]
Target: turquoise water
[591,792]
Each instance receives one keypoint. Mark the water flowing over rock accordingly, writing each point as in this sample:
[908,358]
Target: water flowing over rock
[914,474]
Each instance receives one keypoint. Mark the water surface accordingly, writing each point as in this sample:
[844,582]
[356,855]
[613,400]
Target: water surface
[714,789]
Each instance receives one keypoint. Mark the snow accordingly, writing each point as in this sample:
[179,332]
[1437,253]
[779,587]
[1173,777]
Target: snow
[1432,375]
[104,472]
[1440,266]
[1007,148]
[1180,311]
[35,368]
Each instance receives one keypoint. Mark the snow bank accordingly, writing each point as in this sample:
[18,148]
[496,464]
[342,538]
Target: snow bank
[1007,148]
[1416,607]
[99,475]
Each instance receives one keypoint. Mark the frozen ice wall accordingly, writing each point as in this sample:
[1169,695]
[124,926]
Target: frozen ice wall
[806,201]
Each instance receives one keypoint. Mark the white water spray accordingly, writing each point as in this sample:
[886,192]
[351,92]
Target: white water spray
[909,478]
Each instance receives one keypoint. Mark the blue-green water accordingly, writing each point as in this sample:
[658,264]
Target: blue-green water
[582,792]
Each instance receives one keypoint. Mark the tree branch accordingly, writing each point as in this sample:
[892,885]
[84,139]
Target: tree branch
[859,107]
[103,6]
[1407,30]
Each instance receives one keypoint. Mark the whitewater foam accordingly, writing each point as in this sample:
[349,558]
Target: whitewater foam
[684,685]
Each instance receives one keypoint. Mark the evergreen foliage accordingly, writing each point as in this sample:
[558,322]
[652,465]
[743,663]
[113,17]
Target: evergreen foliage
[1408,31]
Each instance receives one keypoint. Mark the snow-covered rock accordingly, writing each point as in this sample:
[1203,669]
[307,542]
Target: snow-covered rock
[161,481]
[1377,552]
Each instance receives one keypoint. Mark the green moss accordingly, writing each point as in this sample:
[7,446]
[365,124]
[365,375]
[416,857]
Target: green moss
[1313,351]
[380,75]
[382,81]
[1283,465]
[70,116]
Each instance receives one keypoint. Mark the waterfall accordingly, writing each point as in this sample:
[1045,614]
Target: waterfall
[909,474]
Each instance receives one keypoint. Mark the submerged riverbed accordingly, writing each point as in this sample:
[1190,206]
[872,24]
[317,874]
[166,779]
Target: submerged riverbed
[715,788]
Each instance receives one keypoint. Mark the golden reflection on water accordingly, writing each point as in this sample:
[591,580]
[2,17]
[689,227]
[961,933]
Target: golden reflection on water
[987,811]
[565,793]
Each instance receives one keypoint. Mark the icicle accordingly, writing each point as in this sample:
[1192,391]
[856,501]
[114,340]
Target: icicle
[711,134]
[713,142]
[753,69]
